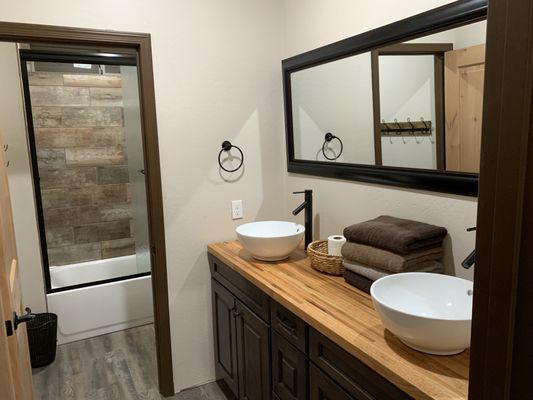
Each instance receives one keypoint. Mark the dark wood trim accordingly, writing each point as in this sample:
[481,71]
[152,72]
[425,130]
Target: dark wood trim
[376,107]
[437,50]
[440,127]
[502,349]
[18,32]
[446,17]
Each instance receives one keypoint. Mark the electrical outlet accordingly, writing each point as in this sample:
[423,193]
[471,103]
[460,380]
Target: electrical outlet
[236,209]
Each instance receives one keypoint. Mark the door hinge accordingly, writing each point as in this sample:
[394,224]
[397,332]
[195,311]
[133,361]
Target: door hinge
[9,328]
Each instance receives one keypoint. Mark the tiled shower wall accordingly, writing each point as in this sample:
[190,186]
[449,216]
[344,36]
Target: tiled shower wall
[79,133]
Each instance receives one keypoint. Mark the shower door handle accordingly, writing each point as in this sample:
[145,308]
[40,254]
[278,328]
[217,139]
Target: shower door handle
[17,320]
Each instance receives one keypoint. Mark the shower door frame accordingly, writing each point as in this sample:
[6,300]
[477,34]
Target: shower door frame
[141,44]
[28,55]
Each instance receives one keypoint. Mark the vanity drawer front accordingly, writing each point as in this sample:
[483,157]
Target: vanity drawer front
[289,326]
[352,374]
[249,294]
[322,387]
[289,370]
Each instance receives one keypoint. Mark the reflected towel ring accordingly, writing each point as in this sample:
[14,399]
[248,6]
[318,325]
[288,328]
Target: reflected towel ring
[328,138]
[227,146]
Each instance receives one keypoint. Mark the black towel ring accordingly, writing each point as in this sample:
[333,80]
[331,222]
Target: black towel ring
[227,146]
[328,138]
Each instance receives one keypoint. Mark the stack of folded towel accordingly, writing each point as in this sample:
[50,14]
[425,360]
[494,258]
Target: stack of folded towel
[388,245]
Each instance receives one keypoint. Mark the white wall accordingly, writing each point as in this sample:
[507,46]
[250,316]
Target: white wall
[217,76]
[318,22]
[13,128]
[337,98]
[407,90]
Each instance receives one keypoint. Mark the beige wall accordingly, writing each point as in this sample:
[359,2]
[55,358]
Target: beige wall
[339,203]
[217,77]
[13,127]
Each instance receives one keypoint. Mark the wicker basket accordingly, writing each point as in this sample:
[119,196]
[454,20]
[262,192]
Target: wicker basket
[322,261]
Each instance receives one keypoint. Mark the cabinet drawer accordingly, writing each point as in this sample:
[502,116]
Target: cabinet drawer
[289,326]
[249,294]
[322,387]
[289,370]
[352,374]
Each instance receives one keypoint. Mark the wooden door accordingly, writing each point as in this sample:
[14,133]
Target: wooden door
[253,349]
[15,369]
[225,336]
[464,71]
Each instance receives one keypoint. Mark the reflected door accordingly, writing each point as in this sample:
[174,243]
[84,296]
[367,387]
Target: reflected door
[463,78]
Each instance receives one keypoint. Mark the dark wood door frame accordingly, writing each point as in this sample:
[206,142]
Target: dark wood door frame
[502,326]
[437,50]
[141,43]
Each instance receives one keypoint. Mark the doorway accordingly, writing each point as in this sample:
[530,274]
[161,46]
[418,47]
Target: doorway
[118,228]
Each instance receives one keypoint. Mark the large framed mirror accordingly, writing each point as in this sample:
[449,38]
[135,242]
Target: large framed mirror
[399,105]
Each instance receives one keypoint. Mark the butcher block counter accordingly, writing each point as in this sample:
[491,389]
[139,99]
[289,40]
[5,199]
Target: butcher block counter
[345,316]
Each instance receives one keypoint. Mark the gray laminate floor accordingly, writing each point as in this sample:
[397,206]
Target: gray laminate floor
[117,366]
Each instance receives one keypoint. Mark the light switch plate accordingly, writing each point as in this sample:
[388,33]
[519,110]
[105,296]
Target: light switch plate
[236,209]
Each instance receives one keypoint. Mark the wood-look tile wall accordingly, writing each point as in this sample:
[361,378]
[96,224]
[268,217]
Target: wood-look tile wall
[79,133]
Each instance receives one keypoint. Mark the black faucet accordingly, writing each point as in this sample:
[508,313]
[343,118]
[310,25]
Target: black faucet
[471,258]
[308,206]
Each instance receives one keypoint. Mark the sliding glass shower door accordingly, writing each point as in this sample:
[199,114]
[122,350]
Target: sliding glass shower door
[87,156]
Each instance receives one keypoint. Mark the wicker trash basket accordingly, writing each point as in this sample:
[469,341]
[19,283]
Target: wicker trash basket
[322,261]
[42,339]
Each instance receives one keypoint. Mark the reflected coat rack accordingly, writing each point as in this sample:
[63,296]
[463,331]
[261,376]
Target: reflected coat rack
[408,128]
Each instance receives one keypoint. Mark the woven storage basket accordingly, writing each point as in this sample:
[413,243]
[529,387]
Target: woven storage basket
[322,261]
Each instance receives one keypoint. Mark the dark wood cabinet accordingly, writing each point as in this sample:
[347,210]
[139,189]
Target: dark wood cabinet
[253,350]
[225,335]
[263,351]
[289,370]
[322,387]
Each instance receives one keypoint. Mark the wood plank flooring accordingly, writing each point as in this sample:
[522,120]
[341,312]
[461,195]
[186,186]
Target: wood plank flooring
[117,366]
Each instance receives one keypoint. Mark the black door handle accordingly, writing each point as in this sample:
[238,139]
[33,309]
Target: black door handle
[23,318]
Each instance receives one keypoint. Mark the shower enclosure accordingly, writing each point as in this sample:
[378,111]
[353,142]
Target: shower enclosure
[86,149]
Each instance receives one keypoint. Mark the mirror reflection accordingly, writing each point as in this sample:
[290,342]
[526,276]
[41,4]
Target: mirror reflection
[416,104]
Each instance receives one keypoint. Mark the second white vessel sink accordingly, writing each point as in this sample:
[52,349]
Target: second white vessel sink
[428,312]
[270,240]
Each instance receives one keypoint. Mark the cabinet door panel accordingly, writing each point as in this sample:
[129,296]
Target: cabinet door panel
[322,387]
[253,349]
[289,370]
[225,335]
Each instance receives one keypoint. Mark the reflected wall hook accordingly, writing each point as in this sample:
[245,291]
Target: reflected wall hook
[227,146]
[6,146]
[328,138]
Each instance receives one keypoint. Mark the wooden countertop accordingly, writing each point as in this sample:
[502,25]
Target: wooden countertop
[346,315]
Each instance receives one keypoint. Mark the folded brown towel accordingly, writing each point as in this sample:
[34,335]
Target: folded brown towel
[384,259]
[358,281]
[395,234]
[375,273]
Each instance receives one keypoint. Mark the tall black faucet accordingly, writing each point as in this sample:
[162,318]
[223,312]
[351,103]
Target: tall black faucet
[471,258]
[308,206]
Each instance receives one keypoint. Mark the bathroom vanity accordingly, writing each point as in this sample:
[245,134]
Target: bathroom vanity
[284,331]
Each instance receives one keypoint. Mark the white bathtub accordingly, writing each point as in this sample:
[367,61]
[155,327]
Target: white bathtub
[102,308]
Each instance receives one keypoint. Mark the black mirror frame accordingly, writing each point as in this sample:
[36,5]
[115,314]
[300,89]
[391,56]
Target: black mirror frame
[449,16]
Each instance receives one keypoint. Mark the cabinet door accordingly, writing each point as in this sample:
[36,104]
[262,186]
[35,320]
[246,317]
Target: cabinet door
[289,370]
[225,335]
[253,349]
[322,387]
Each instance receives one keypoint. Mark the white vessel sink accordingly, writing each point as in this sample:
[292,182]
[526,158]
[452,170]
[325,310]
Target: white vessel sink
[428,312]
[270,240]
